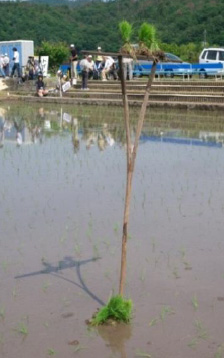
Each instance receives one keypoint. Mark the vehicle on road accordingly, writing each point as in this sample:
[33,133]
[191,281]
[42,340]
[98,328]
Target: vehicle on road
[212,56]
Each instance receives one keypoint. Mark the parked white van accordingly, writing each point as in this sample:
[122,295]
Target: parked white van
[212,55]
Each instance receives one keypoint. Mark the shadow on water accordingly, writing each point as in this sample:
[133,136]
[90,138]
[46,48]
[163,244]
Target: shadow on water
[66,263]
[115,337]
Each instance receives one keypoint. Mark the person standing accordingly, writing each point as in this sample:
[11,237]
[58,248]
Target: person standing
[86,65]
[74,61]
[99,58]
[2,73]
[30,68]
[128,67]
[16,65]
[6,64]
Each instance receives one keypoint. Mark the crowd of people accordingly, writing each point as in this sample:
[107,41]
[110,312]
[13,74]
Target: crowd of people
[89,67]
[5,61]
[100,67]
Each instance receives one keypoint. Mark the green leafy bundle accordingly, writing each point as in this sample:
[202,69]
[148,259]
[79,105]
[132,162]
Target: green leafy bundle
[117,309]
[126,31]
[147,36]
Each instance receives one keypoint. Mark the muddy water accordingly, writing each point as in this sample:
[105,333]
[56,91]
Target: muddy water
[62,185]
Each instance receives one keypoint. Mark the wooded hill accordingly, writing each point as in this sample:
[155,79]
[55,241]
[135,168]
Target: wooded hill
[95,23]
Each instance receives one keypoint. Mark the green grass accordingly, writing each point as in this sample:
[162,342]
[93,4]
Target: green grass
[117,309]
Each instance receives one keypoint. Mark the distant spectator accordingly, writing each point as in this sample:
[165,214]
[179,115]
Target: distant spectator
[16,65]
[109,67]
[30,68]
[91,66]
[86,66]
[6,64]
[128,67]
[74,61]
[2,73]
[61,80]
[40,87]
[99,57]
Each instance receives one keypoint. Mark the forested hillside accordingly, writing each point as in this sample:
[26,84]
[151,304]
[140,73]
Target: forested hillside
[95,23]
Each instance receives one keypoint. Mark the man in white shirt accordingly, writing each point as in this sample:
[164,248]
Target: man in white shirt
[86,65]
[109,62]
[16,65]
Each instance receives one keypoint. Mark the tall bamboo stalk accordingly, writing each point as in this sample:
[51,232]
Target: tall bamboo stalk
[131,156]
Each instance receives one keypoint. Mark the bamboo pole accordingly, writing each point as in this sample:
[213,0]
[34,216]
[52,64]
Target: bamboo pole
[131,156]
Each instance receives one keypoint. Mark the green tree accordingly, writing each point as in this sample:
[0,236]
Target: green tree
[57,52]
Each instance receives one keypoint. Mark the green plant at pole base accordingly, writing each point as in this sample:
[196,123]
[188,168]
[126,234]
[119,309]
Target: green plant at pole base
[117,309]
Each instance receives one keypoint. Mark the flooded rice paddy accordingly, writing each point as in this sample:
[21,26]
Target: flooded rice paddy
[62,187]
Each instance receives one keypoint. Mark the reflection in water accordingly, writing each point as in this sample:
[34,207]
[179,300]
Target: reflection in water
[30,125]
[75,135]
[115,337]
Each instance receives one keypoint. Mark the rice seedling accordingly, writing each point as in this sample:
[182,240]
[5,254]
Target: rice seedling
[147,36]
[125,31]
[51,352]
[4,265]
[153,241]
[165,310]
[156,261]
[96,253]
[140,353]
[116,228]
[14,292]
[77,249]
[89,233]
[112,251]
[129,237]
[175,272]
[45,286]
[153,322]
[142,275]
[193,343]
[182,252]
[62,239]
[187,265]
[117,309]
[106,242]
[22,328]
[194,302]
[107,274]
[78,348]
[201,332]
[220,352]
[2,313]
